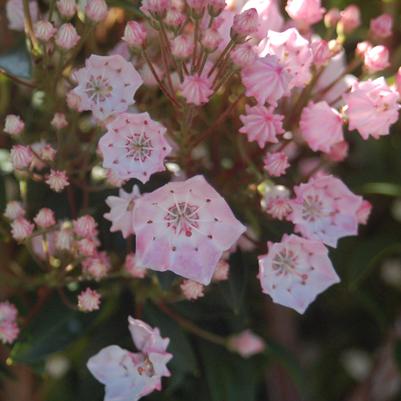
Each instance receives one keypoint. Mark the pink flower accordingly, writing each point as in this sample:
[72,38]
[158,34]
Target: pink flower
[222,270]
[57,180]
[372,108]
[305,11]
[211,39]
[8,332]
[196,89]
[14,209]
[382,26]
[192,290]
[132,268]
[261,125]
[67,36]
[266,80]
[85,227]
[45,218]
[276,163]
[182,46]
[96,10]
[244,55]
[279,208]
[89,300]
[321,52]
[73,100]
[122,211]
[339,151]
[350,18]
[156,8]
[66,8]
[184,227]
[21,156]
[129,376]
[134,34]
[269,16]
[134,146]
[246,23]
[106,85]
[59,121]
[363,212]
[21,228]
[325,209]
[293,52]
[13,124]
[247,344]
[377,58]
[321,126]
[332,17]
[44,30]
[295,271]
[362,48]
[8,312]
[15,13]
[174,17]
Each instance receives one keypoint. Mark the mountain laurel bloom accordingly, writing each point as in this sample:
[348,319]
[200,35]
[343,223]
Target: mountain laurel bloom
[266,80]
[13,124]
[325,209]
[350,18]
[130,376]
[305,11]
[106,85]
[261,125]
[196,89]
[246,23]
[184,227]
[377,58]
[372,107]
[295,271]
[134,146]
[67,8]
[44,30]
[321,126]
[122,211]
[246,344]
[382,26]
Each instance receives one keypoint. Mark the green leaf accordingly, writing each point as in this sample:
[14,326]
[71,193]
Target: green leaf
[381,188]
[17,62]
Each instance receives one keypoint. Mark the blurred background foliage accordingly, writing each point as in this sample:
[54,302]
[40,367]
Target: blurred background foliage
[346,347]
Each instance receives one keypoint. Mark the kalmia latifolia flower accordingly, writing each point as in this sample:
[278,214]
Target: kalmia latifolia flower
[321,126]
[89,300]
[122,211]
[266,80]
[134,34]
[57,180]
[45,218]
[21,156]
[192,290]
[246,23]
[21,228]
[14,209]
[13,124]
[295,271]
[184,227]
[174,17]
[8,322]
[106,85]
[132,268]
[44,30]
[332,17]
[130,376]
[372,107]
[350,18]
[196,89]
[67,36]
[246,344]
[276,163]
[261,125]
[307,12]
[182,46]
[96,10]
[376,58]
[382,26]
[66,8]
[134,146]
[325,209]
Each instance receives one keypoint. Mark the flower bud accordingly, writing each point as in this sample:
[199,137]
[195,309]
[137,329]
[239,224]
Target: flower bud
[216,7]
[44,30]
[197,5]
[73,100]
[89,300]
[57,180]
[48,153]
[157,8]
[13,124]
[382,26]
[244,55]
[321,52]
[45,218]
[66,8]
[174,17]
[247,344]
[362,48]
[192,290]
[211,39]
[332,17]
[377,58]
[350,18]
[182,46]
[67,37]
[134,34]
[14,210]
[21,156]
[246,23]
[85,227]
[21,228]
[96,10]
[59,121]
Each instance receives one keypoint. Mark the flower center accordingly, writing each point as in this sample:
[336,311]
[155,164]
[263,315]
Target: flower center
[312,208]
[286,262]
[183,218]
[139,147]
[98,88]
[146,369]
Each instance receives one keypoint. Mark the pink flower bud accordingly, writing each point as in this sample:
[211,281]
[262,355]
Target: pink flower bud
[14,210]
[276,163]
[67,36]
[305,11]
[182,46]
[174,17]
[59,121]
[197,5]
[247,344]
[192,290]
[398,81]
[246,23]
[362,48]
[134,34]
[196,89]
[321,52]
[8,332]
[216,7]
[350,18]
[66,8]
[377,58]
[21,156]
[89,300]
[211,39]
[13,124]
[158,8]
[363,212]
[64,239]
[332,17]
[87,247]
[57,180]
[132,268]
[96,10]
[44,30]
[222,270]
[21,228]
[85,227]
[73,100]
[339,151]
[45,218]
[48,153]
[244,55]
[382,26]
[8,312]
